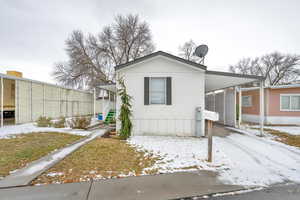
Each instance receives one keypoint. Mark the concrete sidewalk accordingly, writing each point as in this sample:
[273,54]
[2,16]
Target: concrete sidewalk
[25,175]
[166,186]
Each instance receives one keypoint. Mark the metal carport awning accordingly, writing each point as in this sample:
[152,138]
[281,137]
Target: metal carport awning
[109,87]
[215,80]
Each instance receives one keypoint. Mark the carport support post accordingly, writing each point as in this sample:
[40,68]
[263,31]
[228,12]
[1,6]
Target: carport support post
[2,101]
[240,106]
[209,145]
[102,104]
[94,102]
[261,107]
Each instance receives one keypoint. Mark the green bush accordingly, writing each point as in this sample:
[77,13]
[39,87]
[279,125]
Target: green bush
[61,123]
[80,122]
[44,121]
[125,111]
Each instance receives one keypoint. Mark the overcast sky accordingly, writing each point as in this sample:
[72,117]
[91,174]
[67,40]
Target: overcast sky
[32,32]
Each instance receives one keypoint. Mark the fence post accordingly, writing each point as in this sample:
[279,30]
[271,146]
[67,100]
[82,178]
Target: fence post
[209,133]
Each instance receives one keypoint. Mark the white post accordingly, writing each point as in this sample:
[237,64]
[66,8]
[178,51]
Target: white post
[234,96]
[2,101]
[214,94]
[261,108]
[31,104]
[102,104]
[224,107]
[44,113]
[240,107]
[94,102]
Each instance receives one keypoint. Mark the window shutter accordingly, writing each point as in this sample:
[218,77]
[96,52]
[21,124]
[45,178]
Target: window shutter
[146,90]
[169,90]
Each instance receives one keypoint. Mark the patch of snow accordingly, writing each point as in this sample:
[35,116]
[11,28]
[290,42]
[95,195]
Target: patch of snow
[239,158]
[232,193]
[53,174]
[13,130]
[94,121]
[177,153]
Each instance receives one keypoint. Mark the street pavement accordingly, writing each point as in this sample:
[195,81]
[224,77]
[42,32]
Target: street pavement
[279,192]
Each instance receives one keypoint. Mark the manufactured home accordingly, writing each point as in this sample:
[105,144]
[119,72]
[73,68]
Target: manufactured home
[281,103]
[170,94]
[24,100]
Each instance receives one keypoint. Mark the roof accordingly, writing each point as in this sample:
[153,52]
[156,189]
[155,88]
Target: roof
[108,87]
[5,76]
[160,53]
[274,87]
[235,75]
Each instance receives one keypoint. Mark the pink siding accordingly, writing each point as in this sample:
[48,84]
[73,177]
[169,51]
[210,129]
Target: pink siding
[254,109]
[274,102]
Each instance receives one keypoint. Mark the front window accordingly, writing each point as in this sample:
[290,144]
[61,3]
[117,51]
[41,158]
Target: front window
[246,101]
[290,102]
[157,91]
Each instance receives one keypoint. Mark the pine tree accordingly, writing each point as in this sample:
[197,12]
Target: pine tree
[125,113]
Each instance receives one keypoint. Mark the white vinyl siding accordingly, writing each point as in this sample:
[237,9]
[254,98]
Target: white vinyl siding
[290,102]
[158,90]
[246,101]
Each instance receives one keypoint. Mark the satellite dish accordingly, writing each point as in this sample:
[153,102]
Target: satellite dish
[201,50]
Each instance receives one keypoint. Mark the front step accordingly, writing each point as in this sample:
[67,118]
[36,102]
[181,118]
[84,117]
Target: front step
[110,116]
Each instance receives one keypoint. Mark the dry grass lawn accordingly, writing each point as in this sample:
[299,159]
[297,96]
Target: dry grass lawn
[16,152]
[100,159]
[293,140]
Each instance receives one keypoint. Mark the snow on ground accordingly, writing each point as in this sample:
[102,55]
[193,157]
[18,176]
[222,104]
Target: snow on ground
[11,131]
[239,158]
[177,152]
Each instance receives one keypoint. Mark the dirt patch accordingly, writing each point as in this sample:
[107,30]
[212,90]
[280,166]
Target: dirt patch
[16,152]
[102,158]
[292,140]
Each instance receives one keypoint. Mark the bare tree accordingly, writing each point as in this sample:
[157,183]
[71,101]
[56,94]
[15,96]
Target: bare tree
[92,58]
[277,68]
[187,50]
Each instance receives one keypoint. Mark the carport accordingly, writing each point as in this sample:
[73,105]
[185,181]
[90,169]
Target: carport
[222,89]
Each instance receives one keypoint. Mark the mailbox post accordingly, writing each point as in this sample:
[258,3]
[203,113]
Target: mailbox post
[210,117]
[209,139]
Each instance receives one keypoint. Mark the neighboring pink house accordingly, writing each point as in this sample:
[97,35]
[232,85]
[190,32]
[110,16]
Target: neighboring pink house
[282,104]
